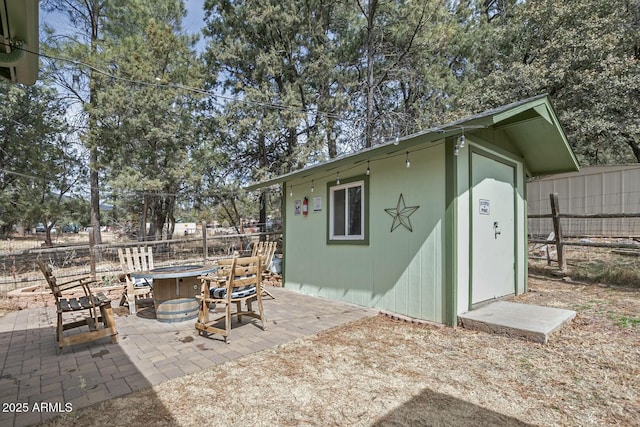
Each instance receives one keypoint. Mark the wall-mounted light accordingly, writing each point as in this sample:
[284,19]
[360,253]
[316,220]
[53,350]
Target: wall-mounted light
[290,191]
[312,186]
[456,150]
[337,178]
[368,172]
[407,162]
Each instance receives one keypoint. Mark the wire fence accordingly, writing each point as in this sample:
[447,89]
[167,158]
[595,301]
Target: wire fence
[587,227]
[73,256]
[597,214]
[557,225]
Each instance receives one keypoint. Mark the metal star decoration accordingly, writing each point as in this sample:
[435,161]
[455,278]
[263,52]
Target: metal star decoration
[401,214]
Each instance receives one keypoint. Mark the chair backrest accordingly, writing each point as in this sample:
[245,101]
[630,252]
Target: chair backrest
[239,273]
[257,248]
[57,289]
[136,259]
[50,278]
[247,273]
[225,267]
[268,256]
[266,250]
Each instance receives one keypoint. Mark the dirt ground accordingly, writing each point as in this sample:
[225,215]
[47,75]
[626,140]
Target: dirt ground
[385,372]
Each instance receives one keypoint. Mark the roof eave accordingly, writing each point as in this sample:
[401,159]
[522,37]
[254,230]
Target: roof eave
[485,119]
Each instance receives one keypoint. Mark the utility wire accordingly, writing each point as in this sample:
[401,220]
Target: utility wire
[174,85]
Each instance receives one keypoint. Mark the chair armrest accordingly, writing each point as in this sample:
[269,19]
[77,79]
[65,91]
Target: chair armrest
[85,283]
[78,279]
[87,291]
[75,283]
[211,282]
[212,279]
[206,281]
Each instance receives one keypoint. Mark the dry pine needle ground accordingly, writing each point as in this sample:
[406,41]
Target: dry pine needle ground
[380,371]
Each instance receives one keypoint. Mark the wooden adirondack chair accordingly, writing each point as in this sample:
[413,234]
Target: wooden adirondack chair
[238,281]
[265,250]
[131,260]
[96,308]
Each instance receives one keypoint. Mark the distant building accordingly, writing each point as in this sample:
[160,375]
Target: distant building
[185,228]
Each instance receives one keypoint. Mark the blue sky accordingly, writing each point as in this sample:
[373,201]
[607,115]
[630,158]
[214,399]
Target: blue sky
[192,24]
[195,16]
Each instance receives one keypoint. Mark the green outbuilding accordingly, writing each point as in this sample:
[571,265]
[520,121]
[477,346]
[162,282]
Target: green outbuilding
[427,226]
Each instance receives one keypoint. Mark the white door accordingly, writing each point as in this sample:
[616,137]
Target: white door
[492,229]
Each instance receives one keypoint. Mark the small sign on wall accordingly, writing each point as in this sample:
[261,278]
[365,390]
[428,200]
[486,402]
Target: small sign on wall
[485,207]
[317,204]
[297,207]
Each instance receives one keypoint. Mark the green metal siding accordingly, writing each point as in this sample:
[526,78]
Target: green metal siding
[453,226]
[399,271]
[425,273]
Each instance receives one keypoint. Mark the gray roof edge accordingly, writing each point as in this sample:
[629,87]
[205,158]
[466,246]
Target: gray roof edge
[439,131]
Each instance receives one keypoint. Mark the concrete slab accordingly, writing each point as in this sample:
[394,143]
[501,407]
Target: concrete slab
[530,322]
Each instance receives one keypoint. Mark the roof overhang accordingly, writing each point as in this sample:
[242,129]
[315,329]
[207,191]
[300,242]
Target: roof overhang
[531,126]
[19,42]
[536,133]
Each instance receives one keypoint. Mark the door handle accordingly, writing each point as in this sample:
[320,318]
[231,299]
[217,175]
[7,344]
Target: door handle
[496,231]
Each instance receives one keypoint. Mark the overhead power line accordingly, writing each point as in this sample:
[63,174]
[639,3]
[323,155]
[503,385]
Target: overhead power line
[175,86]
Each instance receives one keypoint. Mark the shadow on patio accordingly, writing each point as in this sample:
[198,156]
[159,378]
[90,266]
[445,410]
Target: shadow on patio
[148,352]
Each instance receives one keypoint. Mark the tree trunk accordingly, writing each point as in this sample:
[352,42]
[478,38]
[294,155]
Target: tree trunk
[47,237]
[168,216]
[371,13]
[262,220]
[157,220]
[264,163]
[635,147]
[142,234]
[95,193]
[94,11]
[332,147]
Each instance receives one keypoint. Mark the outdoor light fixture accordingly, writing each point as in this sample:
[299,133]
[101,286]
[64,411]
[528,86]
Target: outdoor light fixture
[290,191]
[461,140]
[368,172]
[456,150]
[337,178]
[312,186]
[407,162]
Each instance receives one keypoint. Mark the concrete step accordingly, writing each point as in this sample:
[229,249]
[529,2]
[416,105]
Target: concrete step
[531,322]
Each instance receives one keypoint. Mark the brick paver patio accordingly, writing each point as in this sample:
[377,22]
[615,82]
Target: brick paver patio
[36,383]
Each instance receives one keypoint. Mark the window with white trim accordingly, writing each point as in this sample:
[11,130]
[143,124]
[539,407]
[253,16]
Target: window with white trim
[347,212]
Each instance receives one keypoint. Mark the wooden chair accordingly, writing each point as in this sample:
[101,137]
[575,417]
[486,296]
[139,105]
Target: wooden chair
[238,281]
[266,250]
[97,308]
[131,260]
